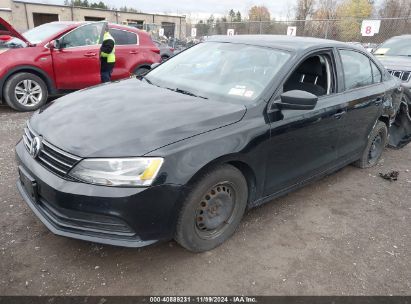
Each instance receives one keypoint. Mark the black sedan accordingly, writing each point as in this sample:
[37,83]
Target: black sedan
[224,126]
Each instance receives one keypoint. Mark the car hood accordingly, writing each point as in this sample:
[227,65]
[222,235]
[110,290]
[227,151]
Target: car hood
[128,118]
[7,29]
[400,63]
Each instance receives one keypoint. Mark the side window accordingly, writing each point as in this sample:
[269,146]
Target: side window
[357,69]
[376,74]
[89,34]
[124,37]
[313,75]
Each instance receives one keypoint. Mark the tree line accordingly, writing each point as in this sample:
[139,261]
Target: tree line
[309,17]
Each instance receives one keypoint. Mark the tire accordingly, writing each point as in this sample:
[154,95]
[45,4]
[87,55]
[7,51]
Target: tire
[213,209]
[25,92]
[164,58]
[141,71]
[375,146]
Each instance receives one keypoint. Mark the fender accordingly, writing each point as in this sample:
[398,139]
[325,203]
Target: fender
[28,68]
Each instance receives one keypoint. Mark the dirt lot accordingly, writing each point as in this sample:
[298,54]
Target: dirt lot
[349,233]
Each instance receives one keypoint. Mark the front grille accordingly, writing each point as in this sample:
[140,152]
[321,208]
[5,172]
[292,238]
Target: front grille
[50,157]
[403,75]
[84,222]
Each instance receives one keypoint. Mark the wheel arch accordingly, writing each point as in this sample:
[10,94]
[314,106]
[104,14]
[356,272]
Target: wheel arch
[385,120]
[141,65]
[235,161]
[28,69]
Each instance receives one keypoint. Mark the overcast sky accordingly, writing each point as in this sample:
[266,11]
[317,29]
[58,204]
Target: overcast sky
[197,9]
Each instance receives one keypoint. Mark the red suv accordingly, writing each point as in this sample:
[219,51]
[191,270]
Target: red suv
[59,57]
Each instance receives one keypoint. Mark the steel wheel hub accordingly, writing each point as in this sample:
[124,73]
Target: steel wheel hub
[215,210]
[28,93]
[376,148]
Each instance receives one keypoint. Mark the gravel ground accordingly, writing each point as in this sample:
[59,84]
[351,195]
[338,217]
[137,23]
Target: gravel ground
[348,234]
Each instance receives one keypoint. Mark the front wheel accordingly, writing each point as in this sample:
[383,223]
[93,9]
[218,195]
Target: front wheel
[213,209]
[25,92]
[375,146]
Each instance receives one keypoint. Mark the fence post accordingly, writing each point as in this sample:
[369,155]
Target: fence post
[327,25]
[261,26]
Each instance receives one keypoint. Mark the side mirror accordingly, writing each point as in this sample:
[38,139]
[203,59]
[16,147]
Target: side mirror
[154,65]
[297,100]
[56,44]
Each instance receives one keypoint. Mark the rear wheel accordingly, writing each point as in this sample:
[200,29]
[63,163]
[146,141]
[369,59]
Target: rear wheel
[375,146]
[164,58]
[213,209]
[25,92]
[141,71]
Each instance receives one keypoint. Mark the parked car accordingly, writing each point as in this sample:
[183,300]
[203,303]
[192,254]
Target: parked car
[63,56]
[395,55]
[166,52]
[185,151]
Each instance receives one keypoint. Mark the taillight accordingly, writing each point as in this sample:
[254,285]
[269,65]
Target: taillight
[172,49]
[155,50]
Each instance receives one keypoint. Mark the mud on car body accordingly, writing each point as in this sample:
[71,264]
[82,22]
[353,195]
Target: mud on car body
[226,125]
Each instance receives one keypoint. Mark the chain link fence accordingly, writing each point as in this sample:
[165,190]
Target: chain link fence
[347,30]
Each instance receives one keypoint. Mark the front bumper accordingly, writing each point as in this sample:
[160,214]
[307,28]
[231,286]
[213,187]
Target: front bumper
[129,217]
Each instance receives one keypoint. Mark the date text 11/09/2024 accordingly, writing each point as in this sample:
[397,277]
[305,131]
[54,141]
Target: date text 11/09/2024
[204,299]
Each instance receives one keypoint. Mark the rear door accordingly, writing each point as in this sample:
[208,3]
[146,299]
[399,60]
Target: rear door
[77,64]
[364,93]
[127,52]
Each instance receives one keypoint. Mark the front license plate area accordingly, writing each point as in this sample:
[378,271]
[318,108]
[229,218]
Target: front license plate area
[29,184]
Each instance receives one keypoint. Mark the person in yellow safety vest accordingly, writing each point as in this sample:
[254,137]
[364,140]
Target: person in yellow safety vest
[107,56]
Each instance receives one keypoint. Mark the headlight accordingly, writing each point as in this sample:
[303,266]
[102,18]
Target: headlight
[118,171]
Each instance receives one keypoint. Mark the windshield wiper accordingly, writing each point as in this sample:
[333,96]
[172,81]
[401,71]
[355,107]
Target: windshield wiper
[186,93]
[146,79]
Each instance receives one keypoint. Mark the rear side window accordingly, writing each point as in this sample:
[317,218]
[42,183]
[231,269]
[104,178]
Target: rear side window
[376,74]
[124,37]
[357,69]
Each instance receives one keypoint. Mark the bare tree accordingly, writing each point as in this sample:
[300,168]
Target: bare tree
[400,9]
[303,10]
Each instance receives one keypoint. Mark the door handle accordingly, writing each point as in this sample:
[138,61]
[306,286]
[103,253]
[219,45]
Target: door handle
[339,114]
[133,52]
[90,54]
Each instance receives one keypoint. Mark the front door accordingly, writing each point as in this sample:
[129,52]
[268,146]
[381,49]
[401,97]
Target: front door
[77,63]
[305,143]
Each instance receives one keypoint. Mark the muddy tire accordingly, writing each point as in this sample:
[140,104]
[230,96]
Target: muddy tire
[375,146]
[213,209]
[25,92]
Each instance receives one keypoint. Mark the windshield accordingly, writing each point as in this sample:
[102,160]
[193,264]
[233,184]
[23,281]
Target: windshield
[395,47]
[38,34]
[222,71]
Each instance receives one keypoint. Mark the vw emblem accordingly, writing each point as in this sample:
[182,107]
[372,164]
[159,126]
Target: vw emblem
[35,147]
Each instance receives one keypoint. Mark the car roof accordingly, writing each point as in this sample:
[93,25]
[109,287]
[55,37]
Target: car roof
[281,41]
[78,23]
